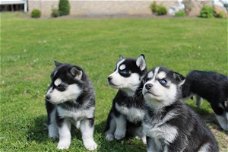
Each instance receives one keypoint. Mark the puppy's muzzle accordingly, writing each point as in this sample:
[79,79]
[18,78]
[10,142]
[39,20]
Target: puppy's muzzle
[110,80]
[148,86]
[47,97]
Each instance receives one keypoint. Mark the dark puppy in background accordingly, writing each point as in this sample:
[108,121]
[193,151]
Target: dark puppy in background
[213,87]
[169,124]
[126,114]
[70,99]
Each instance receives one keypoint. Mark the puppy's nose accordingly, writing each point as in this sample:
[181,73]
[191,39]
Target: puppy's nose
[48,97]
[109,79]
[148,86]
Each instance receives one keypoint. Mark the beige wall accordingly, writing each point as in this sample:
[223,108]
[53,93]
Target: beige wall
[44,5]
[99,7]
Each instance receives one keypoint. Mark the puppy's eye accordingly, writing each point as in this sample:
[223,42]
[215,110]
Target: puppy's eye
[147,79]
[125,73]
[163,82]
[61,87]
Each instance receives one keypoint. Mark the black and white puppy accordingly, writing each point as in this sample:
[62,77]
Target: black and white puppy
[70,99]
[169,124]
[127,112]
[213,87]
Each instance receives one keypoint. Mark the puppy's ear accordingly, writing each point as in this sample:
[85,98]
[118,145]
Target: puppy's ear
[121,57]
[141,62]
[186,89]
[184,84]
[76,73]
[57,63]
[180,79]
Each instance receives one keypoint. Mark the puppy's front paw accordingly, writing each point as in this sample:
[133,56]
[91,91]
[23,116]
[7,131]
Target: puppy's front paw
[90,144]
[109,137]
[53,135]
[119,135]
[63,145]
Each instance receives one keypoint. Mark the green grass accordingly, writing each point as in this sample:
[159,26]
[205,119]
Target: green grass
[29,47]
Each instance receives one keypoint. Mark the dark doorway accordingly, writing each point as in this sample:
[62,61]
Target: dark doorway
[12,7]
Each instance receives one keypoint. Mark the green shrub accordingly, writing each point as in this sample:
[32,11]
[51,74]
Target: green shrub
[64,7]
[158,9]
[55,13]
[35,13]
[180,13]
[153,7]
[207,12]
[161,10]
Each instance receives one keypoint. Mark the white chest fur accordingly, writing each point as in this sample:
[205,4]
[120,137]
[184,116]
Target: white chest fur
[159,129]
[133,114]
[76,114]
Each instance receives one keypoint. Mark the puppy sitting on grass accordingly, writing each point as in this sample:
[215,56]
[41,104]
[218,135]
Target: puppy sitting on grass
[169,124]
[70,99]
[126,115]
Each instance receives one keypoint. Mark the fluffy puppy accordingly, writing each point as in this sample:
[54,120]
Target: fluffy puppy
[169,124]
[127,111]
[213,87]
[70,99]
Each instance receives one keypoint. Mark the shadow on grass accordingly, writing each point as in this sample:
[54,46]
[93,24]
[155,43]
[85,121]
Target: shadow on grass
[38,130]
[128,144]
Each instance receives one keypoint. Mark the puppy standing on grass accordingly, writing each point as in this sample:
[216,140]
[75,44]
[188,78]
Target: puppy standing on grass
[70,99]
[127,112]
[213,87]
[169,124]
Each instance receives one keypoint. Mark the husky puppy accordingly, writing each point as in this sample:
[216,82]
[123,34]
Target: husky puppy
[127,112]
[70,99]
[169,124]
[213,87]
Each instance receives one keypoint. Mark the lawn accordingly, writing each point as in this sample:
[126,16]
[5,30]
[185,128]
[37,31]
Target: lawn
[29,47]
